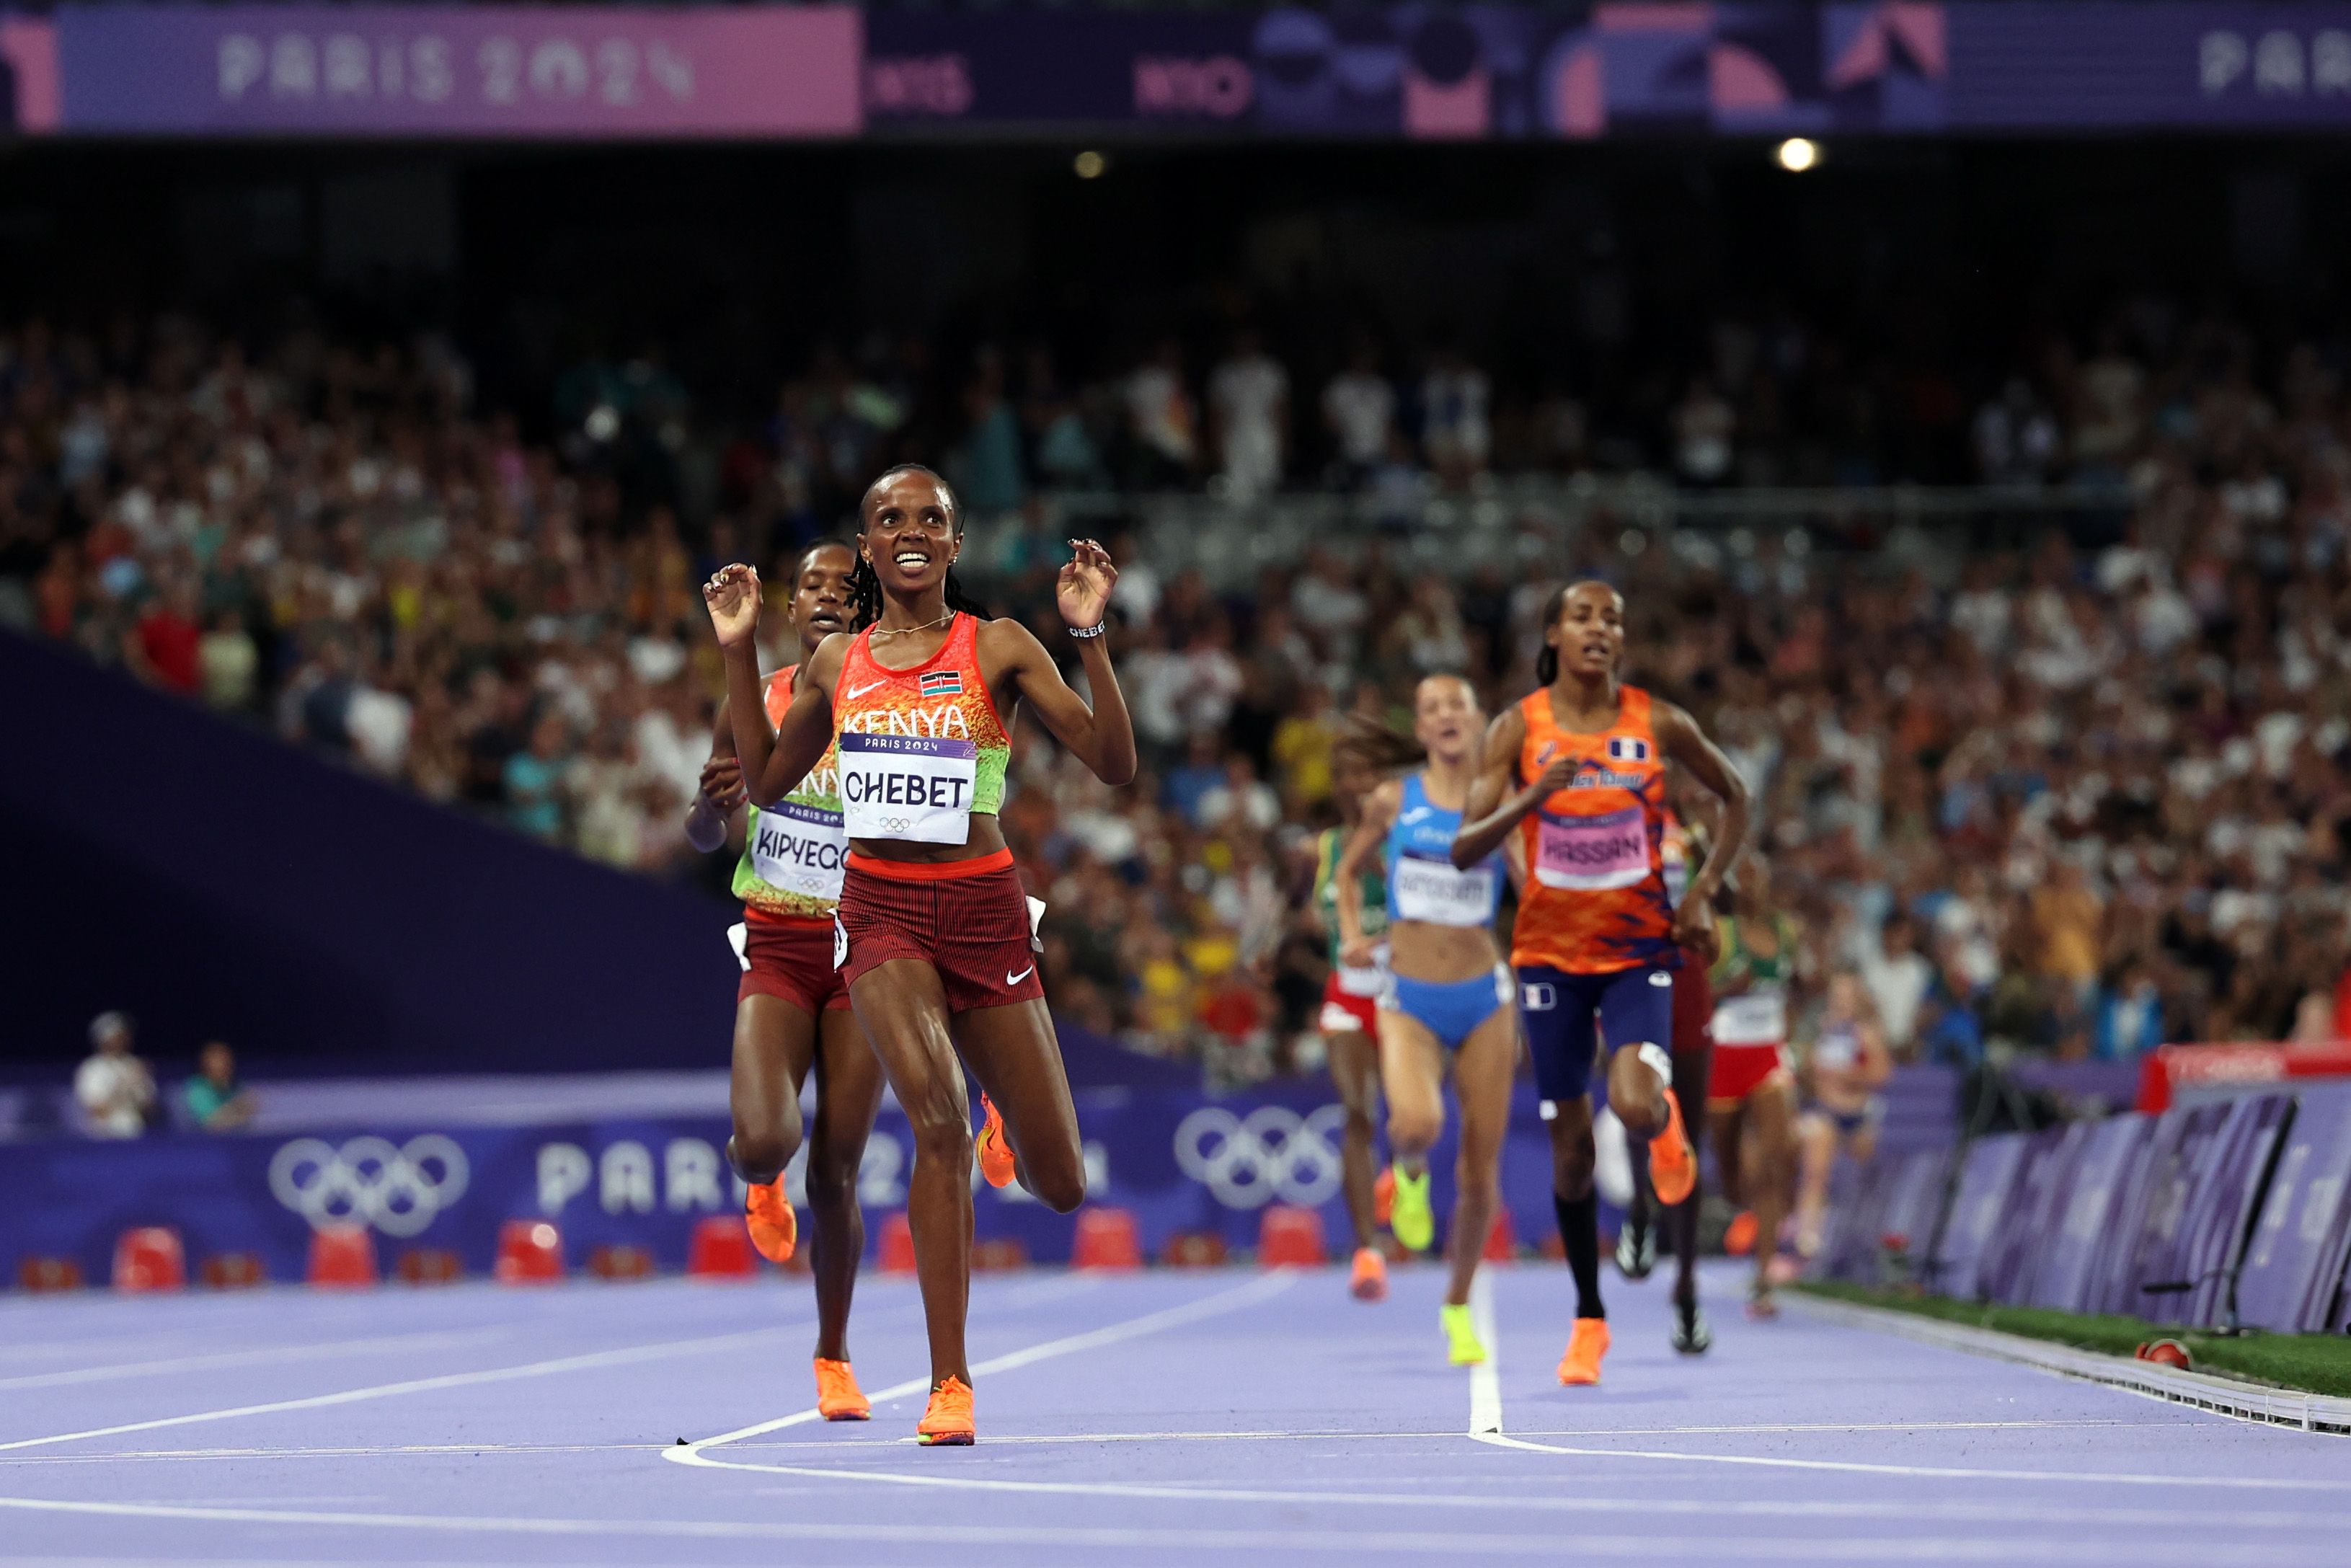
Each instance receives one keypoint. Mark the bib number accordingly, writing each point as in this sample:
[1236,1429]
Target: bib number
[1755,1018]
[1440,893]
[1590,854]
[903,786]
[799,849]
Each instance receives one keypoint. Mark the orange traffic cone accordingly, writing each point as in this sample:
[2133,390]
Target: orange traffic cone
[342,1256]
[150,1258]
[530,1252]
[1106,1239]
[1289,1234]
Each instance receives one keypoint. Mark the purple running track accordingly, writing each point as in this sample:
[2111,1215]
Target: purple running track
[1142,1418]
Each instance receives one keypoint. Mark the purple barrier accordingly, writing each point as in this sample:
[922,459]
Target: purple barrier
[2294,1262]
[2035,1214]
[2066,1273]
[1913,1199]
[2223,1186]
[2148,1224]
[1988,1174]
[1850,1231]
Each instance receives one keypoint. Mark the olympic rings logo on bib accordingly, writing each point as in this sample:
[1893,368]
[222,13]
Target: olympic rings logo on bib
[1272,1153]
[399,1189]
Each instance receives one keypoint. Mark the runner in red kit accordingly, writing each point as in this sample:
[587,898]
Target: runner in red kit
[791,1011]
[934,936]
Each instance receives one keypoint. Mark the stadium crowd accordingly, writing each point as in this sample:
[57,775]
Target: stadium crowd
[2088,796]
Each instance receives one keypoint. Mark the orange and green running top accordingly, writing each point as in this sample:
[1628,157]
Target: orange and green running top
[921,751]
[791,864]
[1595,899]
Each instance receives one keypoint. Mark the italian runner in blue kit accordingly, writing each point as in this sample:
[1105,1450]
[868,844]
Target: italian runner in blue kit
[1444,1003]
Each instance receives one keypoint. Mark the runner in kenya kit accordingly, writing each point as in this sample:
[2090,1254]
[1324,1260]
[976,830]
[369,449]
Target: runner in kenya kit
[933,936]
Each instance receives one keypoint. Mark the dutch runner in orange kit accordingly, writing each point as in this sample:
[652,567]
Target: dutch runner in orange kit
[1578,770]
[934,936]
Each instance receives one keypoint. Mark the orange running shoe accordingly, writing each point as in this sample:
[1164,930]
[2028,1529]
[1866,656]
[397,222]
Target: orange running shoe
[1580,1367]
[768,1215]
[1739,1239]
[1673,1164]
[838,1397]
[946,1423]
[1369,1282]
[1383,1195]
[994,1151]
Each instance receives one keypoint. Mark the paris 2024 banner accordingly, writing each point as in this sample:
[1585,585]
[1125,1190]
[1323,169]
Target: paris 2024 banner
[1420,71]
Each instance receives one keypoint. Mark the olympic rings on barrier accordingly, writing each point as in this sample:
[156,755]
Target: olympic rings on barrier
[399,1190]
[1272,1153]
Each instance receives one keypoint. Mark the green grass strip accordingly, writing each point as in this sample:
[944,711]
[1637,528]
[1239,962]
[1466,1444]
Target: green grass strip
[2317,1362]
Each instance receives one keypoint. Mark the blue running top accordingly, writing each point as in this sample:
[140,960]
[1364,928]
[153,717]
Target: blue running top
[1423,883]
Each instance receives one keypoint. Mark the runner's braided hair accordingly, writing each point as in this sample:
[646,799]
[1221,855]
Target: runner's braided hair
[865,588]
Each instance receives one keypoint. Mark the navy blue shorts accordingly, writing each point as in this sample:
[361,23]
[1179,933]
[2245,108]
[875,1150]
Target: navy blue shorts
[1566,1016]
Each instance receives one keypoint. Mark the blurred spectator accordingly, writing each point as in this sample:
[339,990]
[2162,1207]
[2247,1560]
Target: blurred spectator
[1248,402]
[1161,417]
[1359,414]
[1455,429]
[216,1100]
[113,1087]
[535,778]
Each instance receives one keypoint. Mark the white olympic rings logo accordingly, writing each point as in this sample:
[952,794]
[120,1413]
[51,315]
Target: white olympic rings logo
[897,824]
[399,1189]
[1274,1152]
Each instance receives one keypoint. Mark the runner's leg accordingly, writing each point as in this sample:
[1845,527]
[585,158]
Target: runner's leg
[1482,1071]
[1355,1073]
[1015,1055]
[1412,1075]
[848,1093]
[774,1041]
[902,1008]
[1770,1149]
[1691,1070]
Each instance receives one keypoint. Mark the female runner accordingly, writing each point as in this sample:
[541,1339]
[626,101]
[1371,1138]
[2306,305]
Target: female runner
[1350,1009]
[1751,1096]
[791,1011]
[1845,1070]
[933,934]
[1578,769]
[1447,992]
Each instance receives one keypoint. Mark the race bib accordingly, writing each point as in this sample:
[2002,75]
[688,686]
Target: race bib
[1755,1018]
[905,786]
[1588,854]
[1439,892]
[799,849]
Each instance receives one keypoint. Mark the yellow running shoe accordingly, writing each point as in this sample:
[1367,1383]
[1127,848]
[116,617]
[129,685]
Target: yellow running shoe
[1580,1367]
[1410,1218]
[768,1215]
[947,1422]
[996,1162]
[1673,1164]
[838,1397]
[1369,1281]
[1462,1345]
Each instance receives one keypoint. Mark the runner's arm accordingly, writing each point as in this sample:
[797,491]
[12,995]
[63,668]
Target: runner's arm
[1494,808]
[1682,741]
[1346,876]
[775,758]
[714,804]
[1102,737]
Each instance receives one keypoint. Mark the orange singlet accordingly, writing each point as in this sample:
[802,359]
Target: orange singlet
[1595,900]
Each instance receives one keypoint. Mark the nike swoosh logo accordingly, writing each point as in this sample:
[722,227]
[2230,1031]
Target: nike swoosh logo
[1414,815]
[1016,980]
[855,692]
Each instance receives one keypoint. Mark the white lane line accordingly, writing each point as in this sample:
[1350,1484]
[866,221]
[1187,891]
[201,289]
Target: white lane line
[1643,1547]
[1485,1378]
[438,1341]
[1935,1473]
[626,1356]
[1263,1288]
